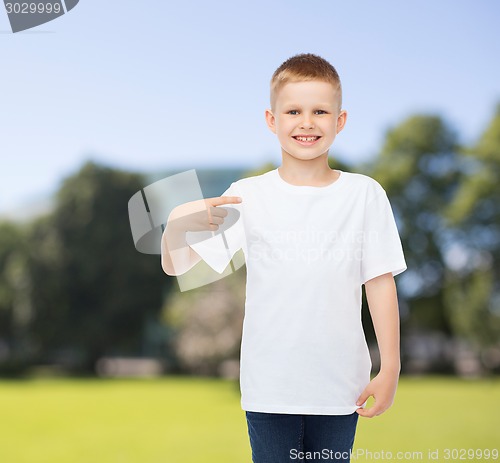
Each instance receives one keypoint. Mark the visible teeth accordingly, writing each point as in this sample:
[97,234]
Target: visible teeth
[307,138]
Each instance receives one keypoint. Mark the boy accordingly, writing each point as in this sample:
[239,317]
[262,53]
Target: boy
[311,236]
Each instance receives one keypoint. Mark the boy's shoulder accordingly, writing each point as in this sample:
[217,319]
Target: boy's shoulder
[254,181]
[256,178]
[363,180]
[362,186]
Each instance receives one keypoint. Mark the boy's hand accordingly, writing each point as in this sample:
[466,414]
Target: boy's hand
[201,215]
[383,389]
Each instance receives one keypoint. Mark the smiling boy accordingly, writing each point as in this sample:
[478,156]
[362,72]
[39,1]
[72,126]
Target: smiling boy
[311,236]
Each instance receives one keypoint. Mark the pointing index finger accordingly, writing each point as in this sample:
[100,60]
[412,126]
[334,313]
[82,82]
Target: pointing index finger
[225,200]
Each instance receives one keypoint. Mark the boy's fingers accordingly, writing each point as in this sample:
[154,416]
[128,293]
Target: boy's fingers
[216,214]
[367,413]
[214,211]
[363,397]
[219,200]
[361,411]
[217,220]
[218,211]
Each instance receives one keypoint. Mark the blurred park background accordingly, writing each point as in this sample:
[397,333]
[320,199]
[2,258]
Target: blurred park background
[102,358]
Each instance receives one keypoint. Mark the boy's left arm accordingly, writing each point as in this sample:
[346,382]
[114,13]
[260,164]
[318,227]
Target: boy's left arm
[382,300]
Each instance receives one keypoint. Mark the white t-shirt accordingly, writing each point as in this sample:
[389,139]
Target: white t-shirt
[308,250]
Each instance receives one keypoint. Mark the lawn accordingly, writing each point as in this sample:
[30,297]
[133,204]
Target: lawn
[193,420]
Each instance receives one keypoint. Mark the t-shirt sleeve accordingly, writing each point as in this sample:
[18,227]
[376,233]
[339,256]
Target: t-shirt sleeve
[382,251]
[218,248]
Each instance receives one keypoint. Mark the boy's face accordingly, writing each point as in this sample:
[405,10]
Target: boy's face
[306,108]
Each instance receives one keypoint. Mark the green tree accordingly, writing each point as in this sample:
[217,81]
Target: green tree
[472,295]
[93,292]
[418,168]
[15,308]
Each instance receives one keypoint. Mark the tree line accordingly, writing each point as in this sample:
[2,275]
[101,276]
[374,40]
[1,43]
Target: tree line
[74,289]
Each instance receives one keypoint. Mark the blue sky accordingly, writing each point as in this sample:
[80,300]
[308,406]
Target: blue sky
[180,85]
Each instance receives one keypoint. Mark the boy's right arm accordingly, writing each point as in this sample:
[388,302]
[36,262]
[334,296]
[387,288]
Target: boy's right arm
[177,257]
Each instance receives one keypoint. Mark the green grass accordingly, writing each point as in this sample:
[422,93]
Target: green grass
[188,420]
[436,414]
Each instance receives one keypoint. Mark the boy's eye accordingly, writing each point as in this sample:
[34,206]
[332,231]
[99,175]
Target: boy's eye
[296,111]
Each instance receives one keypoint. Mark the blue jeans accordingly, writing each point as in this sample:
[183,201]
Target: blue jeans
[284,438]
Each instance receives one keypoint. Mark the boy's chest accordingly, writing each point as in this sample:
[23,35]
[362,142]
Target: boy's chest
[297,228]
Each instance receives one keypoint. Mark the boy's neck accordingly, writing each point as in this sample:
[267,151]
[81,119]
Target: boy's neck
[314,172]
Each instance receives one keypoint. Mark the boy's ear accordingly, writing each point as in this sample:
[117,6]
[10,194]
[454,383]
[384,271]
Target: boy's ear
[341,120]
[270,120]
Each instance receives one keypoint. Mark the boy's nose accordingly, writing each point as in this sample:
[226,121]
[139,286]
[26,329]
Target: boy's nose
[307,122]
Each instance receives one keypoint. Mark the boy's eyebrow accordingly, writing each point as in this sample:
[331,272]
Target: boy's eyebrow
[286,105]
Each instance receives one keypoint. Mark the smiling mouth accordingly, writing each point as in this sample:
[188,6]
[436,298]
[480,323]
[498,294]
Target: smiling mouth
[306,139]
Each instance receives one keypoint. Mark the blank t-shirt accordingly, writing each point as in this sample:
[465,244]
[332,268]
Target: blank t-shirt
[308,250]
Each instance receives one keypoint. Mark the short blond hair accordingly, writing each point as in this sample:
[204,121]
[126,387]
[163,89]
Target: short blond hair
[302,68]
